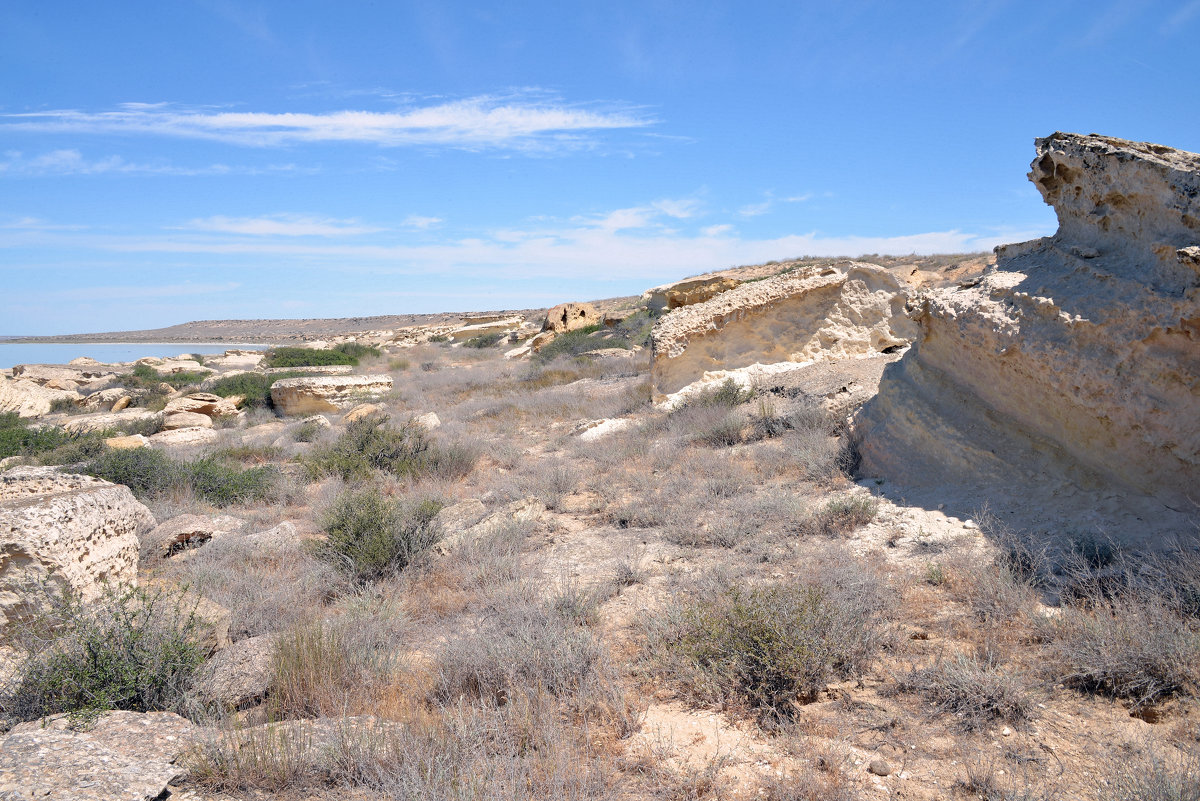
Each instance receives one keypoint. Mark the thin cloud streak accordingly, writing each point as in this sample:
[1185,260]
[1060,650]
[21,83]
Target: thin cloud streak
[473,124]
[72,162]
[281,225]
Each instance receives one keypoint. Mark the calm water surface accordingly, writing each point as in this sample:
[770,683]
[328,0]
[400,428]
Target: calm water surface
[61,353]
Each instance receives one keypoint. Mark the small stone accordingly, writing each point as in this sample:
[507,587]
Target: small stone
[1006,732]
[880,767]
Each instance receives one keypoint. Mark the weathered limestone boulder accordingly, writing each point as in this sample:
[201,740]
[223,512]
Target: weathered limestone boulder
[99,422]
[184,437]
[176,420]
[122,755]
[205,403]
[1078,357]
[285,535]
[569,316]
[238,676]
[456,530]
[503,325]
[125,443]
[818,314]
[103,400]
[177,365]
[74,532]
[327,393]
[688,293]
[188,531]
[361,411]
[428,421]
[321,369]
[28,398]
[75,374]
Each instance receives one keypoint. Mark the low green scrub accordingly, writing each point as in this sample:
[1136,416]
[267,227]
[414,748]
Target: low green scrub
[48,445]
[306,357]
[152,474]
[484,340]
[132,649]
[572,343]
[254,387]
[768,646]
[146,377]
[372,444]
[370,536]
[356,350]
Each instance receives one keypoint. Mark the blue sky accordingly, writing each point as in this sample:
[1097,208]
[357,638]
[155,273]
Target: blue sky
[203,159]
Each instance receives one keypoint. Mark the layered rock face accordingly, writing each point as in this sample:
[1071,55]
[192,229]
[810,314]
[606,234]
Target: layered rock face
[73,531]
[688,293]
[819,314]
[327,393]
[1078,356]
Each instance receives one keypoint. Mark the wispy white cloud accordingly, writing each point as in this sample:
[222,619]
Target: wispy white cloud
[523,121]
[281,225]
[37,224]
[69,161]
[420,223]
[768,203]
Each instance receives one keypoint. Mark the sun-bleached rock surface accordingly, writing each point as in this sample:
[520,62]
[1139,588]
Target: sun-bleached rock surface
[106,420]
[205,403]
[570,316]
[28,398]
[327,393]
[74,532]
[122,756]
[837,312]
[177,420]
[1077,359]
[688,293]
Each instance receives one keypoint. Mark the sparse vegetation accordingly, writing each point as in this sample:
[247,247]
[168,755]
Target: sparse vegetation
[132,649]
[152,474]
[254,387]
[371,537]
[975,692]
[769,646]
[306,357]
[484,340]
[373,444]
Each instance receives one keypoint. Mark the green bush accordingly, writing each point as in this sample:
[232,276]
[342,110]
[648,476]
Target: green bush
[132,649]
[371,537]
[484,340]
[151,474]
[767,646]
[371,444]
[254,387]
[572,343]
[18,439]
[146,377]
[306,357]
[308,432]
[358,351]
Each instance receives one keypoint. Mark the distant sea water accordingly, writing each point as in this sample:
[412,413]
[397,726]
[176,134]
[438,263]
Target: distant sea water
[12,353]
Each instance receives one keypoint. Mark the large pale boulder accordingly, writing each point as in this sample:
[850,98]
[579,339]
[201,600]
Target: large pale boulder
[106,420]
[569,316]
[688,293]
[102,400]
[1075,364]
[188,531]
[176,420]
[503,325]
[205,403]
[28,398]
[327,393]
[74,532]
[813,315]
[76,374]
[131,756]
[238,676]
[191,436]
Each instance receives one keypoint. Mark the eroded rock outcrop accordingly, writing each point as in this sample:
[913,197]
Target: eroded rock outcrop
[570,316]
[1077,359]
[28,398]
[74,532]
[688,293]
[818,314]
[327,393]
